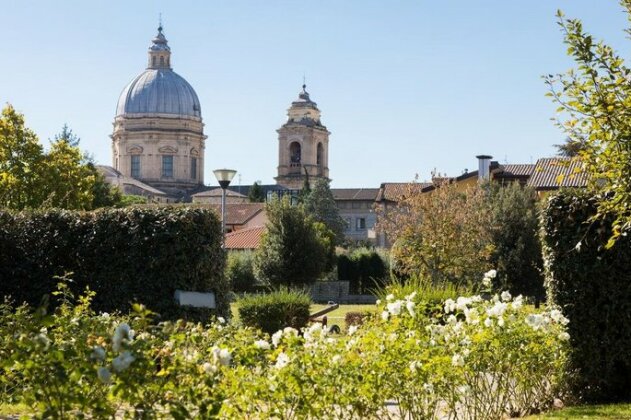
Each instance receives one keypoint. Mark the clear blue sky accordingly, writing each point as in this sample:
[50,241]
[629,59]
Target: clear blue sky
[404,86]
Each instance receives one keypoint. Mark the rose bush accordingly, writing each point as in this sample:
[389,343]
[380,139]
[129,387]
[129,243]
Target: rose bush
[473,358]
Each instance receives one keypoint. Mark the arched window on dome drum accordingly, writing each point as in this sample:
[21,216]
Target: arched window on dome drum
[153,61]
[193,168]
[295,154]
[167,166]
[319,154]
[135,166]
[161,61]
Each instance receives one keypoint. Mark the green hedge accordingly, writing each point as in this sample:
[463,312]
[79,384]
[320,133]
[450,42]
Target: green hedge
[365,269]
[274,311]
[124,255]
[240,271]
[592,285]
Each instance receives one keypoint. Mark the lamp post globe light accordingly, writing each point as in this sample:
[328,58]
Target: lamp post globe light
[224,176]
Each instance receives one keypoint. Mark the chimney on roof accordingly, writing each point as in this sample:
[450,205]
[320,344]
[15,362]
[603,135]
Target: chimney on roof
[484,167]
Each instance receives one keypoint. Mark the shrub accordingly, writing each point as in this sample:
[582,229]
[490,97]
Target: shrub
[124,255]
[592,285]
[240,271]
[276,310]
[355,318]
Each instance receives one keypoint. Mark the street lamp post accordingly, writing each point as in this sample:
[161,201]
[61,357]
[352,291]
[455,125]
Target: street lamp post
[224,176]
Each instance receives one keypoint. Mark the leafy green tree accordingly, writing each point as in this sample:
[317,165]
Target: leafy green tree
[67,135]
[68,181]
[104,194]
[293,251]
[595,102]
[320,204]
[255,195]
[306,188]
[21,158]
[514,228]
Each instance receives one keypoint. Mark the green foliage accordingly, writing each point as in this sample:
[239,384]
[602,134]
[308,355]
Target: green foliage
[240,271]
[592,284]
[442,235]
[294,251]
[364,268]
[255,195]
[474,359]
[320,204]
[68,136]
[131,200]
[63,177]
[276,310]
[124,255]
[595,102]
[515,236]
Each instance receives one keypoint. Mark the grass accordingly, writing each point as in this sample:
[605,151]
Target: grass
[334,317]
[609,411]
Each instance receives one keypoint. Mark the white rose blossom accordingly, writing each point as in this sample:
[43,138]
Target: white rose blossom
[222,356]
[282,360]
[506,296]
[352,329]
[262,344]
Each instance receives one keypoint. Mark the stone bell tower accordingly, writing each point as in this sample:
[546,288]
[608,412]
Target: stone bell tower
[303,144]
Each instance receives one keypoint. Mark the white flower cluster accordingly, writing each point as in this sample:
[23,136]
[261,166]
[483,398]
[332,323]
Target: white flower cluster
[123,334]
[221,356]
[395,307]
[287,332]
[487,281]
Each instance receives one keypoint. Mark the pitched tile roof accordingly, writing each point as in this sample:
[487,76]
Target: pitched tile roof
[517,169]
[239,214]
[117,178]
[355,193]
[553,173]
[245,239]
[394,191]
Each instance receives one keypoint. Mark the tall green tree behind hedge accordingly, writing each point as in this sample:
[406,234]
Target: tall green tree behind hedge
[320,204]
[515,235]
[63,177]
[295,250]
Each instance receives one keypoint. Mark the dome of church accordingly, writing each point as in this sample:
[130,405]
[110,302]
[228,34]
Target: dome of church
[159,90]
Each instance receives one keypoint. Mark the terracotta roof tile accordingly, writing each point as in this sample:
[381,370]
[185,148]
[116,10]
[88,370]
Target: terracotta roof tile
[245,239]
[394,191]
[239,214]
[517,169]
[548,171]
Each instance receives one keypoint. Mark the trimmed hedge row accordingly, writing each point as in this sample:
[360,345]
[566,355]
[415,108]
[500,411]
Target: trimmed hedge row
[274,311]
[592,285]
[124,255]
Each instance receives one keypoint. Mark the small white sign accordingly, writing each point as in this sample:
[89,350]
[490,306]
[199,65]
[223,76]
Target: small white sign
[195,299]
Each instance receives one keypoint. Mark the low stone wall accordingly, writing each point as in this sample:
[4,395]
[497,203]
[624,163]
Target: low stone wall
[338,292]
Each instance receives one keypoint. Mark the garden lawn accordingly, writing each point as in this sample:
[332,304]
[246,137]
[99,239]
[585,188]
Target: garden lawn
[610,411]
[334,317]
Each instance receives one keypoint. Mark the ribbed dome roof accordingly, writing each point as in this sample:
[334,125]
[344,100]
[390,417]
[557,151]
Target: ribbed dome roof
[159,91]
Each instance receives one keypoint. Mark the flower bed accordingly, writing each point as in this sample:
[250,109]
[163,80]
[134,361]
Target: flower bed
[475,359]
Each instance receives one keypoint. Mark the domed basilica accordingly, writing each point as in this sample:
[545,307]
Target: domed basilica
[158,135]
[158,138]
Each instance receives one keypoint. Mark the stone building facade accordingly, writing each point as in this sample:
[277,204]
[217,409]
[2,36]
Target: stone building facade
[158,135]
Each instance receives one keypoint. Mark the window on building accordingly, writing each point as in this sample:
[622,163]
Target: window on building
[295,154]
[320,154]
[153,61]
[360,223]
[161,61]
[135,166]
[167,166]
[193,168]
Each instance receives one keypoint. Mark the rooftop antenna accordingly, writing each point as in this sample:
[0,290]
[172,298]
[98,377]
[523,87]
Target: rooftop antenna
[160,21]
[304,82]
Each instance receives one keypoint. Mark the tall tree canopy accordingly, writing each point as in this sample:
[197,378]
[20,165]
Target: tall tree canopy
[255,195]
[595,105]
[63,177]
[320,204]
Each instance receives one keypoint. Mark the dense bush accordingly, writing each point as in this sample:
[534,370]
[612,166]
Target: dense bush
[124,255]
[364,268]
[274,311]
[592,285]
[240,271]
[355,318]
